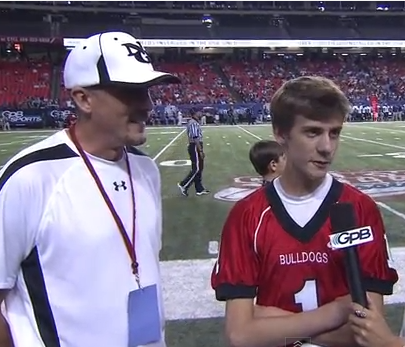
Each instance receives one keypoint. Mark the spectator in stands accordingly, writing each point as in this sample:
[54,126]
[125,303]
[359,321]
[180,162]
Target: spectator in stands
[250,81]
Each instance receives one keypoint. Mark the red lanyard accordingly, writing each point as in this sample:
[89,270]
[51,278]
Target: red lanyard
[130,246]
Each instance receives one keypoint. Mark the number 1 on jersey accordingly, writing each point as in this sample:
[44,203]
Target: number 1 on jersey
[307,297]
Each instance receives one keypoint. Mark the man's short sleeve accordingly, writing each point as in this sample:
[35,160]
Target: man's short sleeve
[374,256]
[20,203]
[235,274]
[158,187]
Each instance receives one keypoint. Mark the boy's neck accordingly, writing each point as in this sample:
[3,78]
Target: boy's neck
[269,177]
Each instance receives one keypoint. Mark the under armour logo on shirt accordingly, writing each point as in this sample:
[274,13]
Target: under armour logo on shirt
[118,186]
[138,52]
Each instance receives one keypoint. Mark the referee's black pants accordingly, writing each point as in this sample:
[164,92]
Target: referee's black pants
[197,167]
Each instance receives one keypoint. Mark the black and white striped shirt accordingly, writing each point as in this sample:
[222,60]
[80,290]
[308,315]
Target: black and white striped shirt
[194,131]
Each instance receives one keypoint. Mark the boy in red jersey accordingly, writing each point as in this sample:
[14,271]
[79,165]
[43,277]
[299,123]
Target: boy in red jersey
[274,244]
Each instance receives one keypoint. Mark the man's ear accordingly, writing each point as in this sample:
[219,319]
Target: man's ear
[82,99]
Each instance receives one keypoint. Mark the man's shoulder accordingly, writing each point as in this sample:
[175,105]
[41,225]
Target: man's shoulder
[148,165]
[46,152]
[136,151]
[136,155]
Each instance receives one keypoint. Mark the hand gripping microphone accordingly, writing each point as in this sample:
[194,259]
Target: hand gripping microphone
[346,236]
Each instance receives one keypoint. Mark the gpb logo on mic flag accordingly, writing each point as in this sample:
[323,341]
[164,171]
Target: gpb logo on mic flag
[351,238]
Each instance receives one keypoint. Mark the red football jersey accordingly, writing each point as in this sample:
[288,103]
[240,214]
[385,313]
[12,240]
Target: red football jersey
[264,253]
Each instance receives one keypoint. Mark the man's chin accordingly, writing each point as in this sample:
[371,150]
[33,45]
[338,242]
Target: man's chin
[136,135]
[137,140]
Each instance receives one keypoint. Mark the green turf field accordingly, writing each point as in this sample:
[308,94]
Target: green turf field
[371,156]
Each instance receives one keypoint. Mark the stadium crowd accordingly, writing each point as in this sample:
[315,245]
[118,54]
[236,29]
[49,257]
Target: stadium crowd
[358,76]
[25,84]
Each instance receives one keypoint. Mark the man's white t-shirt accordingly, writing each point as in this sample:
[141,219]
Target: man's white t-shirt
[61,253]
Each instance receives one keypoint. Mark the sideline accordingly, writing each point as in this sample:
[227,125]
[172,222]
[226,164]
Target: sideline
[188,295]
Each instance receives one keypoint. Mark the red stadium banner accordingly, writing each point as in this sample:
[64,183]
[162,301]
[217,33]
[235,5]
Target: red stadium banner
[374,107]
[31,39]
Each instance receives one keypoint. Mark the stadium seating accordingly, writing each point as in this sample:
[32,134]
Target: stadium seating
[252,82]
[256,81]
[358,76]
[200,84]
[22,81]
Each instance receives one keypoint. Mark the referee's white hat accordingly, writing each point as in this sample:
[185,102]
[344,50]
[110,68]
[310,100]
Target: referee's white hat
[112,58]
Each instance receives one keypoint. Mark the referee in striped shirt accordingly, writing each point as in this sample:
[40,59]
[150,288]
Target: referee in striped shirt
[196,153]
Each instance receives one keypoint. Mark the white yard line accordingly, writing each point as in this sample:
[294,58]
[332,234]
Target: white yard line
[370,155]
[168,145]
[392,210]
[372,142]
[385,206]
[28,131]
[248,132]
[380,128]
[15,142]
[163,133]
[375,123]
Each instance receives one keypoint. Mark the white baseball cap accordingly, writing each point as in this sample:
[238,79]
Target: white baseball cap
[112,58]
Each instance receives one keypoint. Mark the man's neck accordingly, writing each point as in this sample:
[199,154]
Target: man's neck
[295,185]
[97,144]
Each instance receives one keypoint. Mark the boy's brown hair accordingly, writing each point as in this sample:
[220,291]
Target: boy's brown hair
[262,153]
[315,98]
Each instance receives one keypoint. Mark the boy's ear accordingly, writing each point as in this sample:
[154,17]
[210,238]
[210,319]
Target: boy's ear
[272,167]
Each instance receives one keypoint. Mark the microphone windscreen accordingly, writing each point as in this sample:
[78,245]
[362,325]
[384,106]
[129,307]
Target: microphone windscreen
[342,217]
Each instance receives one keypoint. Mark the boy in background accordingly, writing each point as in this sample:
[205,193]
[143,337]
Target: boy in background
[268,159]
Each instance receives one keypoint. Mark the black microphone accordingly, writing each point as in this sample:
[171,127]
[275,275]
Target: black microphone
[346,236]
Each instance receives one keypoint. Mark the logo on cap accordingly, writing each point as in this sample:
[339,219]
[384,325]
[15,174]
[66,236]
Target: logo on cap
[138,52]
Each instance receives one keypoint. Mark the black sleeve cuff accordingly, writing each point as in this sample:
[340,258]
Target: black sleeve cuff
[383,287]
[227,291]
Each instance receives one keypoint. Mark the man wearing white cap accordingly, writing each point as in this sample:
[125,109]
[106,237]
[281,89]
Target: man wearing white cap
[80,224]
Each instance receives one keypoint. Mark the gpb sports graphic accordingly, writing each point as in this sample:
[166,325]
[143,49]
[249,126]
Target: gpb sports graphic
[351,238]
[60,114]
[373,183]
[20,118]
